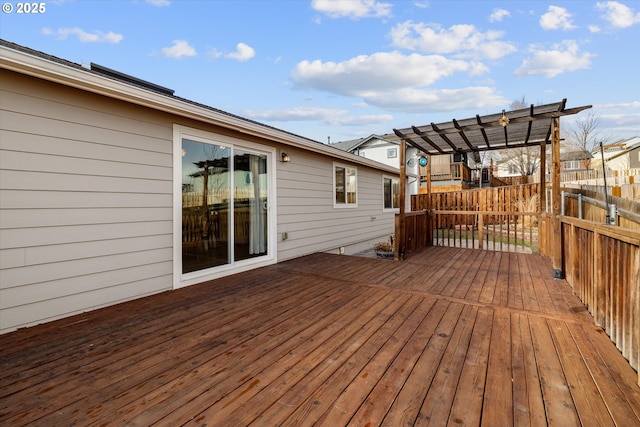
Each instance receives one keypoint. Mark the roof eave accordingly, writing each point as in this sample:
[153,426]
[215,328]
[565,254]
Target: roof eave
[35,66]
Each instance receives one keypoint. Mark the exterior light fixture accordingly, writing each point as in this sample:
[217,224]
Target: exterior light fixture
[285,157]
[504,120]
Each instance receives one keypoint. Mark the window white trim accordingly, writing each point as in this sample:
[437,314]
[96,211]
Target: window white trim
[348,171]
[392,153]
[572,164]
[392,178]
[181,280]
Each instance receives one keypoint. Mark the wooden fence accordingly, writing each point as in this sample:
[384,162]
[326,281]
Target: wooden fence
[494,199]
[601,262]
[417,232]
[602,265]
[591,174]
[496,231]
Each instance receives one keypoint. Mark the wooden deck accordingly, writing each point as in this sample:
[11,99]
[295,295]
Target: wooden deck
[451,336]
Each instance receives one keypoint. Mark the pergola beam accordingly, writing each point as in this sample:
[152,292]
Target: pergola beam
[482,131]
[443,135]
[427,140]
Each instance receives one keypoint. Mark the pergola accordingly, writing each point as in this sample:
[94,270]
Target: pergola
[527,127]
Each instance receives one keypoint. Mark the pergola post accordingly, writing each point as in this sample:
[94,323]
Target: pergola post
[430,222]
[543,176]
[558,273]
[401,238]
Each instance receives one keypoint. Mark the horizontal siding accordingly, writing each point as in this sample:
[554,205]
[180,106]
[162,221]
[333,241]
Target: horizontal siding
[17,199]
[44,217]
[86,190]
[306,212]
[56,308]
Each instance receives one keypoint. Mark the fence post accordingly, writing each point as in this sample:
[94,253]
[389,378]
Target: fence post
[480,229]
[556,260]
[580,205]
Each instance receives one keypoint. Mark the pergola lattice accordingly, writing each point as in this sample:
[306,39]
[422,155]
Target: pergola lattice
[525,128]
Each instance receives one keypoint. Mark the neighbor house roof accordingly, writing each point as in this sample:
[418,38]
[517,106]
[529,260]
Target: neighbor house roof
[509,129]
[575,155]
[618,148]
[107,82]
[352,144]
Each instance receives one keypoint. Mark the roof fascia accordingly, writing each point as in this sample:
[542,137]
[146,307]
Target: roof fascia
[38,67]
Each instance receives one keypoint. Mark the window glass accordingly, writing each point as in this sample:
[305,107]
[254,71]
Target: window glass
[224,205]
[205,205]
[340,182]
[391,196]
[346,186]
[351,186]
[250,205]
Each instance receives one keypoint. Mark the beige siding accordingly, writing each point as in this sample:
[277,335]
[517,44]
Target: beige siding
[85,191]
[306,212]
[86,215]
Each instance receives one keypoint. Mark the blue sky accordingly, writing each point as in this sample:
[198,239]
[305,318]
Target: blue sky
[343,69]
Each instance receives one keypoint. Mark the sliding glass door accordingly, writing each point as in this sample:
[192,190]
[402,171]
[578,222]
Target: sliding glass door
[225,200]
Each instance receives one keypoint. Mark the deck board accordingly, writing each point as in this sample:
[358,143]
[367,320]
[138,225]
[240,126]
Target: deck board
[450,336]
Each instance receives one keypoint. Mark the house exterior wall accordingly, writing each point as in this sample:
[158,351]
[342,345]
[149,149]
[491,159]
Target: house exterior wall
[583,164]
[307,214]
[86,201]
[377,150]
[634,158]
[86,196]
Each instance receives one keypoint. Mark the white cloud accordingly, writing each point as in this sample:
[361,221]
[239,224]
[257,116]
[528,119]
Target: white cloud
[159,3]
[378,72]
[560,59]
[83,36]
[243,53]
[421,4]
[179,49]
[622,105]
[464,39]
[295,114]
[353,9]
[214,54]
[594,29]
[428,101]
[556,18]
[397,82]
[363,120]
[329,116]
[498,15]
[618,14]
[478,68]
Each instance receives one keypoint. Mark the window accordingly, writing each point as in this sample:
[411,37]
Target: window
[345,185]
[392,153]
[222,192]
[572,164]
[391,192]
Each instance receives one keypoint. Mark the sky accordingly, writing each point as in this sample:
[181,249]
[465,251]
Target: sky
[335,70]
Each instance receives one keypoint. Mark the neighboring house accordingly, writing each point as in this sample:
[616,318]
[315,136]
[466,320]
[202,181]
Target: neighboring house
[507,168]
[573,161]
[448,172]
[112,188]
[381,149]
[620,155]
